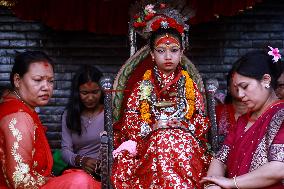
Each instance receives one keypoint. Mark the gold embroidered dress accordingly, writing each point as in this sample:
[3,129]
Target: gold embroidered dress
[24,163]
[244,151]
[25,155]
[168,156]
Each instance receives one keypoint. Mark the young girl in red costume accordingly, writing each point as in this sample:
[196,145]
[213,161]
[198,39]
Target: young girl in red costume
[163,125]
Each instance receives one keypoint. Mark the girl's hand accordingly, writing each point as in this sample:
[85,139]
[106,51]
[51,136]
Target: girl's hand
[174,123]
[168,124]
[130,146]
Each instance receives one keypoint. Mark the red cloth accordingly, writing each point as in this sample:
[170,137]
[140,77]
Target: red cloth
[42,154]
[72,179]
[111,16]
[225,118]
[99,16]
[208,10]
[251,149]
[135,77]
[25,155]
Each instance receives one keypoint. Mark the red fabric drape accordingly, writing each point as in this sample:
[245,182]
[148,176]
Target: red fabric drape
[111,16]
[207,10]
[37,143]
[99,16]
[245,146]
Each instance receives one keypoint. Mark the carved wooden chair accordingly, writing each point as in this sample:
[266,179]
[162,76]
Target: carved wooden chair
[117,92]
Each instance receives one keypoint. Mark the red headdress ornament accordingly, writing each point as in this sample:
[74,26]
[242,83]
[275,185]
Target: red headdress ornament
[148,16]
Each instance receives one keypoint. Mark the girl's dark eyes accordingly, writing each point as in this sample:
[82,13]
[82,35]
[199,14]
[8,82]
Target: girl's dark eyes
[174,50]
[160,50]
[163,50]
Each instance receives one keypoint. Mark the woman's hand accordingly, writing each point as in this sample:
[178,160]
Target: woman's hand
[221,182]
[90,165]
[212,187]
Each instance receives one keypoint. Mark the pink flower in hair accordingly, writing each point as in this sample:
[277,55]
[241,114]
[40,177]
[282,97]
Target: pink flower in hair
[150,8]
[275,53]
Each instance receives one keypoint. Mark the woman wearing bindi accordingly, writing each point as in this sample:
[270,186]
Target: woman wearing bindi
[83,121]
[25,159]
[252,153]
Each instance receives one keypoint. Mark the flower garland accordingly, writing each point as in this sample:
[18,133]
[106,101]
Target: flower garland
[189,94]
[145,92]
[147,14]
[145,96]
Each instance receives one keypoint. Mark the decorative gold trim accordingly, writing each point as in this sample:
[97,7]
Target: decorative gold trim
[22,175]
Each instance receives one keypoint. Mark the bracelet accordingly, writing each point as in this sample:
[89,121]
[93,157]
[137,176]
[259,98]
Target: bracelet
[235,182]
[208,185]
[81,161]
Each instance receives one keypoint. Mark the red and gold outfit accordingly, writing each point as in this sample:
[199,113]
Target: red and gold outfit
[225,117]
[244,151]
[25,155]
[167,156]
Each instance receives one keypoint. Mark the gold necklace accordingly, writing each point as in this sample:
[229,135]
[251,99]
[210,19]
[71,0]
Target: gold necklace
[20,98]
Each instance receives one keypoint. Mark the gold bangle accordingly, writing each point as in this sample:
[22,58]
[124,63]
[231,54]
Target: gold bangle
[208,185]
[235,182]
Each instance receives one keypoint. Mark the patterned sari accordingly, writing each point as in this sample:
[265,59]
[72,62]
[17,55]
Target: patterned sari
[167,157]
[244,151]
[225,120]
[25,155]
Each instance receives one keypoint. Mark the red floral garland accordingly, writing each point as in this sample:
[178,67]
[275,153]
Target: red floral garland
[171,24]
[149,13]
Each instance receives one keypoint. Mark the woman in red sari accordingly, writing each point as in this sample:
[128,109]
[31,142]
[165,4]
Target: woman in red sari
[163,123]
[25,155]
[228,113]
[252,154]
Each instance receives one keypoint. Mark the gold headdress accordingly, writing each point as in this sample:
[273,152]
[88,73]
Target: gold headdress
[8,3]
[149,15]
